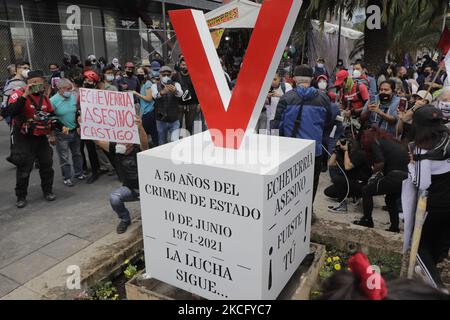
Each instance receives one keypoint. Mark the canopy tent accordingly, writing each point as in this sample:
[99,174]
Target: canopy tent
[238,14]
[324,43]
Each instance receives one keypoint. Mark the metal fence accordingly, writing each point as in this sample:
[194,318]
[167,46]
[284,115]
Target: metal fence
[42,43]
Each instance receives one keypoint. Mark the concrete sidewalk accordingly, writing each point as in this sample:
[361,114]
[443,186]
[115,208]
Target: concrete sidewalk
[35,239]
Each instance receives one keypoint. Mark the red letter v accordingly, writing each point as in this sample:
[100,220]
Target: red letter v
[239,111]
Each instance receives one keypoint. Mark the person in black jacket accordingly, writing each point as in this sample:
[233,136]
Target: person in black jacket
[430,170]
[125,158]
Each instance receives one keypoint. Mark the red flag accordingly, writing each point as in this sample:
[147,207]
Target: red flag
[444,42]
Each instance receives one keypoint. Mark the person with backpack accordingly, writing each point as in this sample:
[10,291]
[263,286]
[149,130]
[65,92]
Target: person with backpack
[125,160]
[352,95]
[305,113]
[166,94]
[32,131]
[361,76]
[15,83]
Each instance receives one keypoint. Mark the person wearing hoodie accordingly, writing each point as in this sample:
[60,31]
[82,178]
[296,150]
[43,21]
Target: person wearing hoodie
[305,113]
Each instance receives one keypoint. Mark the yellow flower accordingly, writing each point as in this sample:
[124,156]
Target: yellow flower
[337,266]
[126,261]
[336,258]
[329,260]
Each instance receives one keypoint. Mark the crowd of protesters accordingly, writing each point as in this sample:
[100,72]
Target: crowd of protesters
[372,130]
[44,110]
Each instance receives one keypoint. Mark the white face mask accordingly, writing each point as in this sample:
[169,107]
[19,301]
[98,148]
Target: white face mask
[25,73]
[165,79]
[320,65]
[323,85]
[356,74]
[121,148]
[109,78]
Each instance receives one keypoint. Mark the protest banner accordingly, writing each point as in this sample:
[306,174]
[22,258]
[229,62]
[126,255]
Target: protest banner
[108,116]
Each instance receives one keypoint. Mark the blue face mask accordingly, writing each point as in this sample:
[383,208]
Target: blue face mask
[67,94]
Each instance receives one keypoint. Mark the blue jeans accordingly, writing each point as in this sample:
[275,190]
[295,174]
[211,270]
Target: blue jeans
[118,198]
[67,144]
[167,128]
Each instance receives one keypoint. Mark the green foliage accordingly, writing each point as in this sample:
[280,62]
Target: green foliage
[130,271]
[104,291]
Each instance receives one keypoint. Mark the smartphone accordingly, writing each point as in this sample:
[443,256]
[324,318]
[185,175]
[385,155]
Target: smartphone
[402,105]
[373,99]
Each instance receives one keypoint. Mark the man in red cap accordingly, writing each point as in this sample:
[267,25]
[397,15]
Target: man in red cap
[352,96]
[32,130]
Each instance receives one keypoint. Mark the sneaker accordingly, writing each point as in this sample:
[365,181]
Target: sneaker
[341,208]
[92,178]
[364,222]
[68,183]
[49,196]
[21,203]
[356,202]
[81,177]
[123,226]
[394,230]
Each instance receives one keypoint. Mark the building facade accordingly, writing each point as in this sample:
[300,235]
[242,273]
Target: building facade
[43,32]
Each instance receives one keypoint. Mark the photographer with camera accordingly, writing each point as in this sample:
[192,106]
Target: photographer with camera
[32,130]
[351,176]
[389,159]
[430,170]
[166,94]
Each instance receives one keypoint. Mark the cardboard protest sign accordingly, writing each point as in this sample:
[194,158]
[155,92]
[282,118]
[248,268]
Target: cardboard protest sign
[108,116]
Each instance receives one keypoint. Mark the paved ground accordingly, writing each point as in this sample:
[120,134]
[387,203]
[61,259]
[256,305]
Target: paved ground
[34,239]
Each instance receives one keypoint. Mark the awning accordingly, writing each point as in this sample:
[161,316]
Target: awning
[238,14]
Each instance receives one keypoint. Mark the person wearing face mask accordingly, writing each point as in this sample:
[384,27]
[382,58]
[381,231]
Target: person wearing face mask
[352,96]
[305,113]
[32,131]
[108,79]
[360,76]
[125,159]
[15,83]
[383,114]
[166,94]
[67,137]
[147,106]
[333,133]
[129,82]
[320,69]
[189,108]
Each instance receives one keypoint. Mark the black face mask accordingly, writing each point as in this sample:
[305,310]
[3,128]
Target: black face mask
[130,73]
[184,70]
[78,81]
[384,97]
[89,85]
[141,77]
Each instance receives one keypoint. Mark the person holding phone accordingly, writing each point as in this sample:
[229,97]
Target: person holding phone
[383,113]
[405,115]
[166,94]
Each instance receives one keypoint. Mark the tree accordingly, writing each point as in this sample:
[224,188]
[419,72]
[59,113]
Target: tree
[376,44]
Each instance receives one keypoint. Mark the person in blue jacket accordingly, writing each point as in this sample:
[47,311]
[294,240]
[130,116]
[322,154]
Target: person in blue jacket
[305,113]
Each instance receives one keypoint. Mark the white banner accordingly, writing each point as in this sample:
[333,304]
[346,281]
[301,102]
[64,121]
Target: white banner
[108,116]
